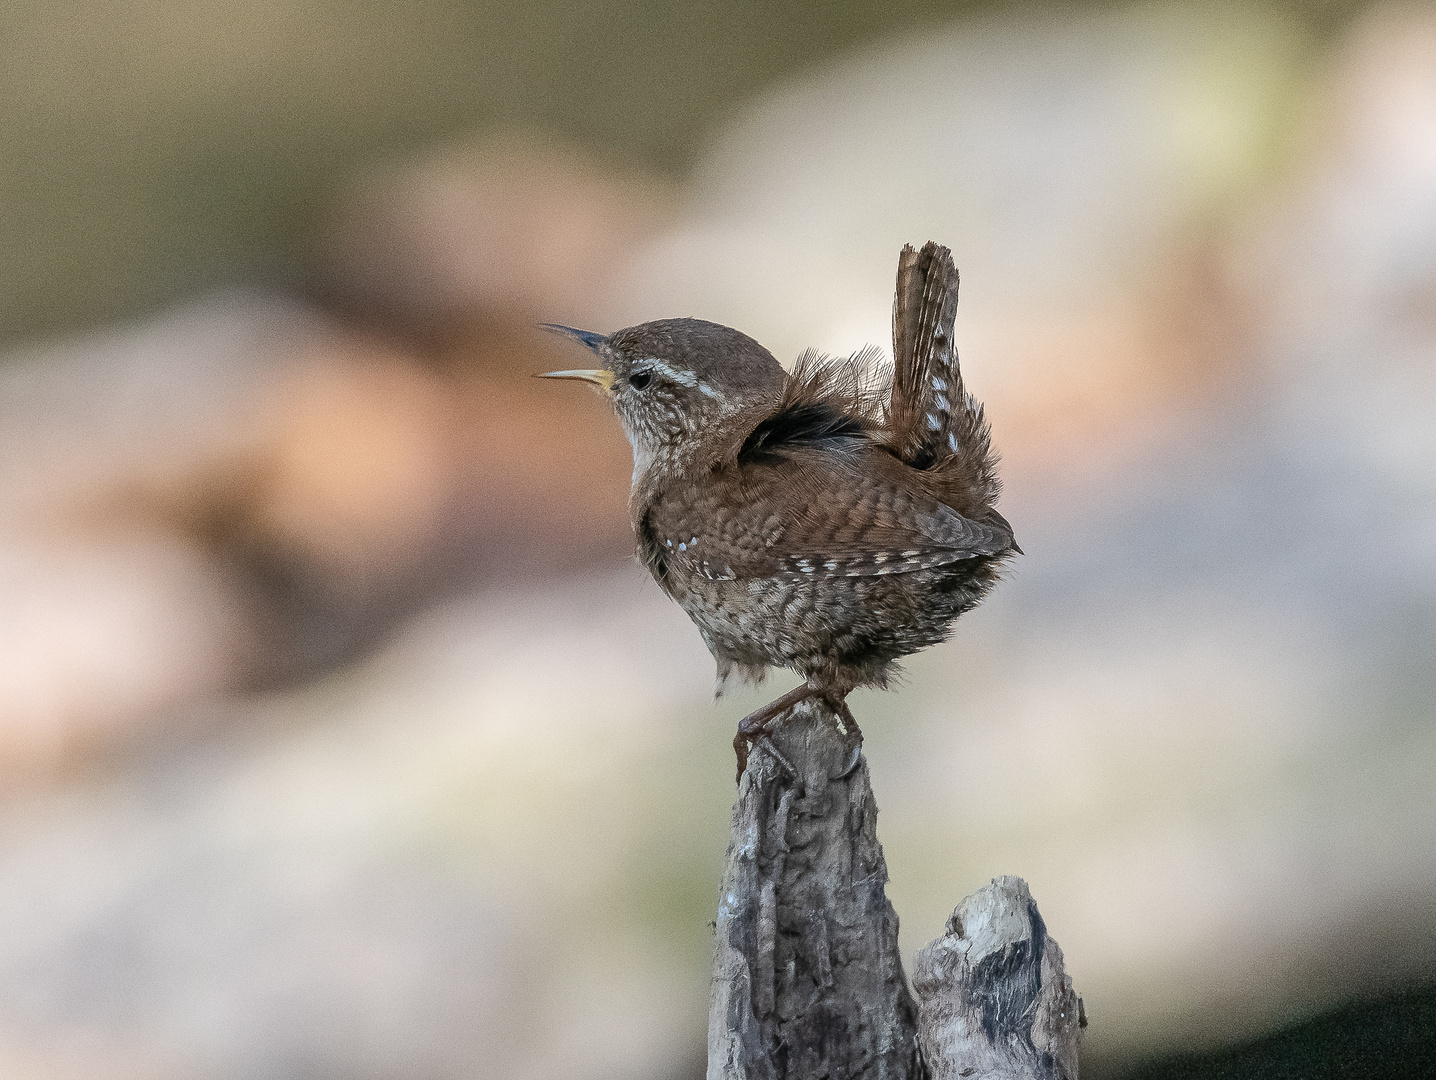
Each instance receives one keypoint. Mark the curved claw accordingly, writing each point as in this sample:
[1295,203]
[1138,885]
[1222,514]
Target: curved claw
[852,764]
[759,721]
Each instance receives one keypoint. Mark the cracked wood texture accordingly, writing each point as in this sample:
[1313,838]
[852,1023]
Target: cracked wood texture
[808,982]
[994,1000]
[807,978]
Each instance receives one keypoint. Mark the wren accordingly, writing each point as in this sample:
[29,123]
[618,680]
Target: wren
[820,521]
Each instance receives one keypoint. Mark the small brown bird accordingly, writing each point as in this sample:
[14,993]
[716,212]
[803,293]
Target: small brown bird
[814,521]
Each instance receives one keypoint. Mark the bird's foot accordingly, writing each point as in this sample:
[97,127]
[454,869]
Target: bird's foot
[850,723]
[756,726]
[760,721]
[851,729]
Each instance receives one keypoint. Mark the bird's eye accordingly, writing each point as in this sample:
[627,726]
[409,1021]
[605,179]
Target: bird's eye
[640,379]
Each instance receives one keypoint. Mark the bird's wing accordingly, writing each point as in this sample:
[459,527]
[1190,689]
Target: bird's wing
[854,514]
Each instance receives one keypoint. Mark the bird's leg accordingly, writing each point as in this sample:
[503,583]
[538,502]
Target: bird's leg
[855,733]
[759,721]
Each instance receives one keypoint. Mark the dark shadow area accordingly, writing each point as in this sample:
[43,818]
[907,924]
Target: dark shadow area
[1390,1037]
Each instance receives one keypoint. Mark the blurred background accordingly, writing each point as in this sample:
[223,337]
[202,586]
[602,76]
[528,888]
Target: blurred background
[341,736]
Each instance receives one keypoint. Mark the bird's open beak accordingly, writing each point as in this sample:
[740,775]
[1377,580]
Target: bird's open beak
[600,377]
[583,337]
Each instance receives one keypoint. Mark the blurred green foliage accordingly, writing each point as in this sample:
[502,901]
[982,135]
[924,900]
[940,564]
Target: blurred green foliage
[152,147]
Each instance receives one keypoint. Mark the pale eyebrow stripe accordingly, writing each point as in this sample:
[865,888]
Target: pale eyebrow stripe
[683,378]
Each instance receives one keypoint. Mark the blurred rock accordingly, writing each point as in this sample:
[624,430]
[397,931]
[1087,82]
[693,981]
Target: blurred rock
[508,230]
[1343,270]
[389,477]
[1348,255]
[249,490]
[1219,652]
[114,613]
[422,870]
[1074,163]
[103,636]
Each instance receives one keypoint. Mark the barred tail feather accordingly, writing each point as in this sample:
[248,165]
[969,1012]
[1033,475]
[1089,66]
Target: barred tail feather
[933,423]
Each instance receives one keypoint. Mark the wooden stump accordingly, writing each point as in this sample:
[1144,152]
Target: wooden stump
[807,978]
[994,998]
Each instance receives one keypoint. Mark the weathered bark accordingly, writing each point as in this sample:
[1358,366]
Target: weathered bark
[807,978]
[994,1000]
[808,983]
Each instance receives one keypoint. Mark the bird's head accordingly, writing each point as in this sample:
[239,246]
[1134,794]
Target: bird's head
[676,382]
